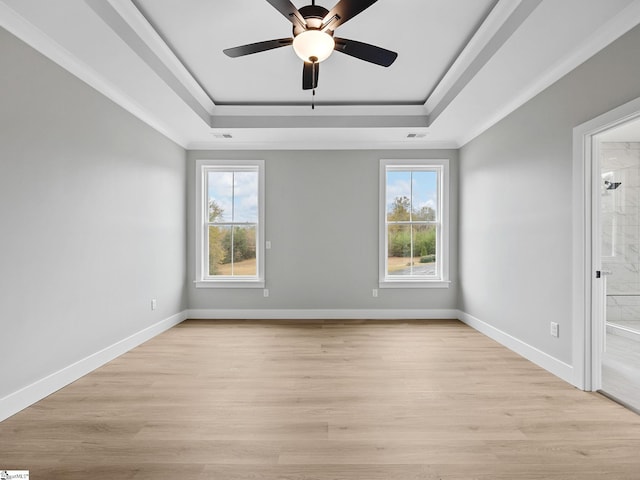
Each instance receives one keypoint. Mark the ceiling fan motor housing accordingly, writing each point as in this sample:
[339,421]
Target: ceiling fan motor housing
[313,15]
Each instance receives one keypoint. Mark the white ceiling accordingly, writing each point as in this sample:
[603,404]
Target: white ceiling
[462,65]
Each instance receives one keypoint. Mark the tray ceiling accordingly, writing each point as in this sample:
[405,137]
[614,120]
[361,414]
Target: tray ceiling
[462,65]
[426,48]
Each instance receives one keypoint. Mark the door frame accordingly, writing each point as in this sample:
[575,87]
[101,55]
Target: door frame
[588,320]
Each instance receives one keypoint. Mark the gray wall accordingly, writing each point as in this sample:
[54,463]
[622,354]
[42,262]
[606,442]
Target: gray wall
[92,219]
[515,201]
[326,203]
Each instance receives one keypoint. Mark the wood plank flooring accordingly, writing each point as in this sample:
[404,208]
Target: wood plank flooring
[374,400]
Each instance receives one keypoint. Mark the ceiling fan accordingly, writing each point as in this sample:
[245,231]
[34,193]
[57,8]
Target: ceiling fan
[313,40]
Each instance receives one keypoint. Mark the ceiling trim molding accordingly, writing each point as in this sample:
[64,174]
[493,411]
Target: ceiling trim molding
[129,24]
[493,21]
[322,145]
[320,110]
[482,47]
[148,34]
[605,35]
[320,121]
[39,41]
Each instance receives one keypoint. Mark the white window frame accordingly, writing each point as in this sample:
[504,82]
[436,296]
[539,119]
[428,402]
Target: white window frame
[203,280]
[442,237]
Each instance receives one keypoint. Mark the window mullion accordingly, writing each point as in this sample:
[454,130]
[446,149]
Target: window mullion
[414,222]
[411,196]
[233,255]
[204,263]
[233,217]
[411,249]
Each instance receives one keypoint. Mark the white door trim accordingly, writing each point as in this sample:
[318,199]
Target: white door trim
[587,320]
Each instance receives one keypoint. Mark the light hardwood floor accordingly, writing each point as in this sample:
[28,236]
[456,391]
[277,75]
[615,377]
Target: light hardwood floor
[375,400]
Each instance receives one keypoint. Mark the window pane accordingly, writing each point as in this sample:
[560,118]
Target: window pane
[398,201]
[399,249]
[424,201]
[220,196]
[218,249]
[411,250]
[245,199]
[424,249]
[237,251]
[244,250]
[232,197]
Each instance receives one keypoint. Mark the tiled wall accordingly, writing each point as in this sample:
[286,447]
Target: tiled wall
[620,162]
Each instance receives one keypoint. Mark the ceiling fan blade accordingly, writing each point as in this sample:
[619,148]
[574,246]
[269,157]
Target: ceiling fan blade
[310,73]
[346,10]
[257,47]
[289,10]
[365,51]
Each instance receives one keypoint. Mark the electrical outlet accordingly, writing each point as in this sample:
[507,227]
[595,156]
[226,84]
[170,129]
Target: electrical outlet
[555,329]
[374,293]
[265,292]
[154,304]
[267,245]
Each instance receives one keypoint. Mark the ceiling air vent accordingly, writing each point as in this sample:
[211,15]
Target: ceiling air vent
[223,135]
[416,135]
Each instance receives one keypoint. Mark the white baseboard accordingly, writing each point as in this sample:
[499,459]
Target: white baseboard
[320,314]
[544,360]
[21,399]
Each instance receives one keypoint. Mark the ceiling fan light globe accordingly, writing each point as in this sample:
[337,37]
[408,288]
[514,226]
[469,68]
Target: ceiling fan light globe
[313,43]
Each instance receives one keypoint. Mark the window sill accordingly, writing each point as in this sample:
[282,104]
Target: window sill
[414,284]
[229,283]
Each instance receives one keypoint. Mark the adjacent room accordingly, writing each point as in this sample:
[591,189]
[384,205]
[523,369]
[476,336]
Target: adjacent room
[264,239]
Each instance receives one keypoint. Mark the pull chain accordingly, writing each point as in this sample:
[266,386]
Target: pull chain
[314,61]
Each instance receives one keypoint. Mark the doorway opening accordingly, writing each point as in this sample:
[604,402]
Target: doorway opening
[617,153]
[607,264]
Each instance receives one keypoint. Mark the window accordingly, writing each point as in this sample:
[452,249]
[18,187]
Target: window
[413,223]
[230,223]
